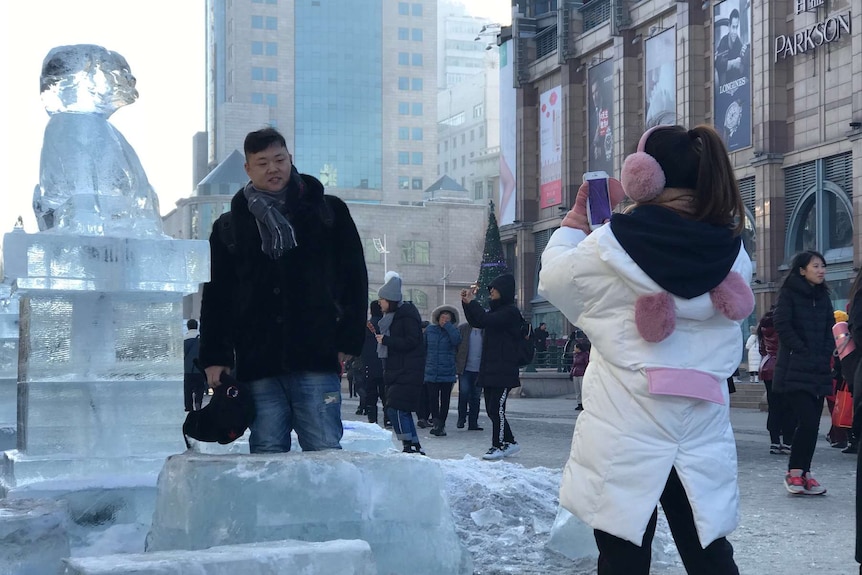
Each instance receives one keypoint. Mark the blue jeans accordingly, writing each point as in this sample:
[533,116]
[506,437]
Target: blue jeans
[402,425]
[308,402]
[469,398]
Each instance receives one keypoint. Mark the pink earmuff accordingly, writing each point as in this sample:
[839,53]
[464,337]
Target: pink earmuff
[642,177]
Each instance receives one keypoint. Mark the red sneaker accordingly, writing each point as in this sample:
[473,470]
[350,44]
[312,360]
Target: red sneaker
[795,484]
[812,487]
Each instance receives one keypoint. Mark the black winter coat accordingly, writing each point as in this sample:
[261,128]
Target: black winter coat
[372,366]
[404,366]
[291,314]
[803,318]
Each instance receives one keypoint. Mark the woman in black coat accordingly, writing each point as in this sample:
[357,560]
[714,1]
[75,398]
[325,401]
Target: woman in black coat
[402,349]
[803,319]
[498,370]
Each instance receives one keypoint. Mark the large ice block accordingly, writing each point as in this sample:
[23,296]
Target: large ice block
[9,328]
[396,502]
[268,558]
[33,536]
[54,261]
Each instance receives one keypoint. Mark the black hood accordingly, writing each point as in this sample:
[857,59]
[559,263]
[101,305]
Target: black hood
[505,284]
[685,257]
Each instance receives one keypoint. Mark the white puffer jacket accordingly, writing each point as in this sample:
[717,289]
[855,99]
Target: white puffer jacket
[628,439]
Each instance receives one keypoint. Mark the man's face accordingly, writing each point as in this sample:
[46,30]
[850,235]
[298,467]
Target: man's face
[495,293]
[594,88]
[734,29]
[269,170]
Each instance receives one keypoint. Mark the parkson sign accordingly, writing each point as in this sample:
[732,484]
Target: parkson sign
[824,32]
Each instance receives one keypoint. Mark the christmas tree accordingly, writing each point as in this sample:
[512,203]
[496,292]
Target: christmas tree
[493,262]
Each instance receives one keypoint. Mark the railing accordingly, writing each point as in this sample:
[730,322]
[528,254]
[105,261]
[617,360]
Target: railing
[555,359]
[546,41]
[595,13]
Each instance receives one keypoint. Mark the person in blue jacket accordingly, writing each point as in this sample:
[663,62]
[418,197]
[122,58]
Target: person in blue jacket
[441,343]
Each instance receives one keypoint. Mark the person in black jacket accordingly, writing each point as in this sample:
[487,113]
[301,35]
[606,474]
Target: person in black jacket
[498,370]
[194,382]
[372,367]
[803,319]
[401,347]
[287,299]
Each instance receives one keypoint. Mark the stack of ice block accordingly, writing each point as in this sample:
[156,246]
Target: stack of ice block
[101,353]
[8,365]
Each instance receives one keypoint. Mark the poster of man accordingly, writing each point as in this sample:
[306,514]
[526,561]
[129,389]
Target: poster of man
[660,105]
[600,101]
[733,72]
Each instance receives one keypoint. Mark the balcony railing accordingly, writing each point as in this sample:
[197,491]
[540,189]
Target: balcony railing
[595,13]
[546,41]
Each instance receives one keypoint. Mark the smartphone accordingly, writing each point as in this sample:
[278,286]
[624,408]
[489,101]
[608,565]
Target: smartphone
[598,199]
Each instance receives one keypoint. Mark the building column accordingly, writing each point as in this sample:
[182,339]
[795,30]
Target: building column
[769,226]
[574,84]
[856,135]
[628,102]
[691,69]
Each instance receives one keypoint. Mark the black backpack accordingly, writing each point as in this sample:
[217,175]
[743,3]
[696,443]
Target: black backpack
[526,347]
[225,418]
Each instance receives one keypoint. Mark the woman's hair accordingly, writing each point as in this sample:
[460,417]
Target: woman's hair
[801,260]
[857,283]
[697,159]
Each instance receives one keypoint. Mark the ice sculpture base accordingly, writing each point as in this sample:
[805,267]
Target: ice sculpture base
[61,262]
[342,557]
[33,536]
[396,502]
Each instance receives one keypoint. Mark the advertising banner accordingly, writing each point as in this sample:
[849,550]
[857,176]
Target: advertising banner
[508,137]
[733,72]
[660,85]
[600,79]
[550,148]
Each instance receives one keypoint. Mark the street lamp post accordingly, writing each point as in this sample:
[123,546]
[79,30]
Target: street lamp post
[380,246]
[446,273]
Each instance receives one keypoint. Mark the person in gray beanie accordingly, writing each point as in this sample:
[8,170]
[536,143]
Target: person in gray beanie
[400,346]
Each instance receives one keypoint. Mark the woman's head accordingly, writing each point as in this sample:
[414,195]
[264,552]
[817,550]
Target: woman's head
[693,160]
[810,265]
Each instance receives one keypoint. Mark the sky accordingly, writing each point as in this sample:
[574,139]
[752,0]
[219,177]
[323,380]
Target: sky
[163,42]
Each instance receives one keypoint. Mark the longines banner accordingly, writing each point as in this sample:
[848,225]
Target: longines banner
[550,148]
[661,79]
[601,81]
[732,85]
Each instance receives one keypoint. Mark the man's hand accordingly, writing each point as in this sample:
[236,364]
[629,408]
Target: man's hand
[342,357]
[467,295]
[214,373]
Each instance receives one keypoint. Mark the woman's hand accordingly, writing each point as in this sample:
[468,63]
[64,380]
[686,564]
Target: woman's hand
[577,216]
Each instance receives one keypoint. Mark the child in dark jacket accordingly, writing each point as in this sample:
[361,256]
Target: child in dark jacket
[580,360]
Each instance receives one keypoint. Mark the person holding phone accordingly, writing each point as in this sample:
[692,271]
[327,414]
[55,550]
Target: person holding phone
[661,291]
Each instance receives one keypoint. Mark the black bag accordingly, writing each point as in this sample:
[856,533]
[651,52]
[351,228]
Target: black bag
[225,418]
[526,348]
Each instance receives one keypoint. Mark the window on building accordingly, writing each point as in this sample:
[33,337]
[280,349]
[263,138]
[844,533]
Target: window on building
[403,33]
[478,110]
[272,1]
[256,73]
[371,253]
[257,22]
[417,133]
[454,143]
[417,9]
[271,23]
[463,138]
[403,59]
[417,84]
[416,34]
[404,108]
[403,183]
[417,59]
[445,167]
[481,131]
[463,161]
[403,83]
[272,100]
[272,74]
[404,158]
[417,108]
[272,48]
[416,159]
[403,133]
[256,98]
[257,48]
[415,252]
[472,135]
[416,184]
[445,145]
[418,297]
[403,9]
[478,190]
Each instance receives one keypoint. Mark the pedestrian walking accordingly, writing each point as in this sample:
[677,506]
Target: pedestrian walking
[661,291]
[468,359]
[752,346]
[780,421]
[580,361]
[441,343]
[372,367]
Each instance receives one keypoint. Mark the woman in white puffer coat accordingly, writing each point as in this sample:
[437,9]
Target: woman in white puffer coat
[660,291]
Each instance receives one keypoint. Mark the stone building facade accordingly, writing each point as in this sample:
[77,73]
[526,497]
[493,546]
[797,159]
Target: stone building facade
[780,79]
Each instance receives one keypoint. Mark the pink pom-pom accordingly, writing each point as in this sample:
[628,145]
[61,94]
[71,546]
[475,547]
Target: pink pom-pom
[642,177]
[733,297]
[655,316]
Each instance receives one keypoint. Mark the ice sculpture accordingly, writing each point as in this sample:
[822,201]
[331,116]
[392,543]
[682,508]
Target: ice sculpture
[100,365]
[395,502]
[33,536]
[8,364]
[91,181]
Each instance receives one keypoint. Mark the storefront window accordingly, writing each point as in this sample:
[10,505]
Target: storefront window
[749,236]
[836,240]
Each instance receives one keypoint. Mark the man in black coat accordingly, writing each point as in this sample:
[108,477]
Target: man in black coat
[286,302]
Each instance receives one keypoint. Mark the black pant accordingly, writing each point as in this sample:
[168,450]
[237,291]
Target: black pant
[780,420]
[807,410]
[374,389]
[424,411]
[495,407]
[440,393]
[194,386]
[620,557]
